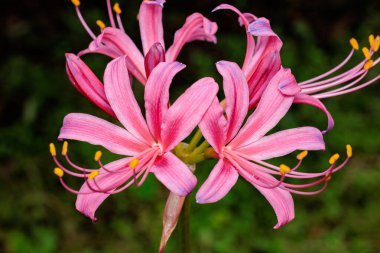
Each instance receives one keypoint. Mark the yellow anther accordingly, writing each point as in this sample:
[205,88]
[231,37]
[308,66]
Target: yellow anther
[377,44]
[354,43]
[116,8]
[368,65]
[100,24]
[328,178]
[284,169]
[76,2]
[59,172]
[334,158]
[133,164]
[302,155]
[52,149]
[93,174]
[349,150]
[371,40]
[65,147]
[366,53]
[98,156]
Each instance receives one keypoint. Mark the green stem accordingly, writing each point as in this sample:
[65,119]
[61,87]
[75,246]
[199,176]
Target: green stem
[194,141]
[200,148]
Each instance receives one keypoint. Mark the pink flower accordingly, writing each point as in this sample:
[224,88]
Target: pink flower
[114,41]
[146,142]
[263,60]
[241,150]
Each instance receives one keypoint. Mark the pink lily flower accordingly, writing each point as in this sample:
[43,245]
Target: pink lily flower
[146,142]
[242,149]
[114,41]
[263,60]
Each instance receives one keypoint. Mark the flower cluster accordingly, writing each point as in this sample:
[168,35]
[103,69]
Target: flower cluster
[238,141]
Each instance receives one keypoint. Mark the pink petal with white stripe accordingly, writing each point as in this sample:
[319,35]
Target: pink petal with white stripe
[236,91]
[157,94]
[86,82]
[187,111]
[114,43]
[119,93]
[150,20]
[283,143]
[272,107]
[196,27]
[174,174]
[96,131]
[214,126]
[220,181]
[89,203]
[306,99]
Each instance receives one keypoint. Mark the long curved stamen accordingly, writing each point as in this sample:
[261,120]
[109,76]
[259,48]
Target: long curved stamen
[81,19]
[117,10]
[110,14]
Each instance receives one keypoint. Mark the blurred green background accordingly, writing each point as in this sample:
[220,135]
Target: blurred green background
[37,215]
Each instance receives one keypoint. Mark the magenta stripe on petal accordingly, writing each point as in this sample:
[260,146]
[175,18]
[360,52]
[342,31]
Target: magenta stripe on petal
[119,93]
[174,174]
[187,111]
[157,94]
[96,131]
[220,181]
[150,20]
[284,142]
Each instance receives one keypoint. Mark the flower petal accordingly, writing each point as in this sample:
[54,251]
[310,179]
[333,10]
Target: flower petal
[236,91]
[115,43]
[265,61]
[89,203]
[157,94]
[274,104]
[155,55]
[220,181]
[284,142]
[88,128]
[196,27]
[119,93]
[306,99]
[86,82]
[187,111]
[174,174]
[213,126]
[281,200]
[150,20]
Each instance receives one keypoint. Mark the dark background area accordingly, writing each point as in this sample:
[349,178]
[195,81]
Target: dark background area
[38,215]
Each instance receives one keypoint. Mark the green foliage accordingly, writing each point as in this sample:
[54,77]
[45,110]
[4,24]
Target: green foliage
[37,215]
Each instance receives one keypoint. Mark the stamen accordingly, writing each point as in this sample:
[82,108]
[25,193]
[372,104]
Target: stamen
[366,52]
[354,43]
[284,169]
[368,65]
[76,2]
[53,152]
[349,150]
[333,158]
[100,24]
[371,40]
[302,155]
[98,156]
[93,174]
[116,8]
[59,172]
[134,163]
[65,148]
[110,13]
[377,44]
